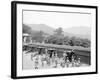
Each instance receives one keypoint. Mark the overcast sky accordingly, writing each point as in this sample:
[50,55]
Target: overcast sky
[55,20]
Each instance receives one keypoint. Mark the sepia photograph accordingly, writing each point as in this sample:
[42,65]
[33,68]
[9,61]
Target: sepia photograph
[53,39]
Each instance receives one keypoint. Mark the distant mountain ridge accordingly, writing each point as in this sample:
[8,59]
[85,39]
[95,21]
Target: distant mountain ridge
[79,30]
[42,27]
[82,32]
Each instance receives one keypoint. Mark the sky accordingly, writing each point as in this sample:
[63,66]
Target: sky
[56,19]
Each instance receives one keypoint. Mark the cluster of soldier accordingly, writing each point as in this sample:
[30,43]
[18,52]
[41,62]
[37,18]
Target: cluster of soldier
[52,60]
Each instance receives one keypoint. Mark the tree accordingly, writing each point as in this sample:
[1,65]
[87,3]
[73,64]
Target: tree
[38,36]
[85,43]
[26,29]
[78,42]
[51,39]
[58,32]
[72,41]
[66,40]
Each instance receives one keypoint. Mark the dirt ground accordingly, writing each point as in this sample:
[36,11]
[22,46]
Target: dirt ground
[28,63]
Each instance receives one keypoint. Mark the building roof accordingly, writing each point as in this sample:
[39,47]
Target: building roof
[26,34]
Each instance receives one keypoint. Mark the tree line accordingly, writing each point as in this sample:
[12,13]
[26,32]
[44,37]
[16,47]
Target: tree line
[56,38]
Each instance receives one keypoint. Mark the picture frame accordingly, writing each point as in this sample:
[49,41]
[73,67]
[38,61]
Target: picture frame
[51,14]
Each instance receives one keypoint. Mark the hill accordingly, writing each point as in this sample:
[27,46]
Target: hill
[42,27]
[82,32]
